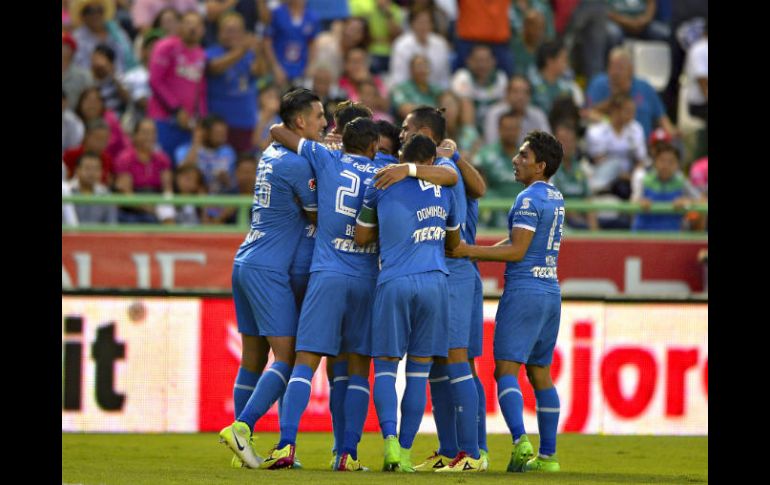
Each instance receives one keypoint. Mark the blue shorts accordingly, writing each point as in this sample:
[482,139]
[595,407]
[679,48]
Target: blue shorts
[461,289]
[336,314]
[299,287]
[526,326]
[410,316]
[476,341]
[264,302]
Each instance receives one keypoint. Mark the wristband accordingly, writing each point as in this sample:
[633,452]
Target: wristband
[456,156]
[412,169]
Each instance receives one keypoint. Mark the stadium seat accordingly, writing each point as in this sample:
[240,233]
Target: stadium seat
[652,61]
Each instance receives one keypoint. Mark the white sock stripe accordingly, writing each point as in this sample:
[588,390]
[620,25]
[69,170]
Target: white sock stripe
[547,410]
[341,378]
[392,374]
[417,374]
[299,379]
[241,386]
[278,374]
[439,379]
[359,388]
[460,379]
[510,389]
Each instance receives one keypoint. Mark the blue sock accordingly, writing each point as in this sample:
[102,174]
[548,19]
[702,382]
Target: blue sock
[270,387]
[482,417]
[385,397]
[413,402]
[466,404]
[294,403]
[511,404]
[245,383]
[443,410]
[356,407]
[547,419]
[331,391]
[337,401]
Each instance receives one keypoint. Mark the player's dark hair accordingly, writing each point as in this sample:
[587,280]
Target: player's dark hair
[359,134]
[432,118]
[418,149]
[548,50]
[295,102]
[390,131]
[546,149]
[347,111]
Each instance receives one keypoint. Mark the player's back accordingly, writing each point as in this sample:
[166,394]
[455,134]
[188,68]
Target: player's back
[342,181]
[540,208]
[276,216]
[413,216]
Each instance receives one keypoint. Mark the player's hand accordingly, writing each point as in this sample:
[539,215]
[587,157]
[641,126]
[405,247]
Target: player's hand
[391,174]
[446,148]
[461,251]
[645,205]
[333,140]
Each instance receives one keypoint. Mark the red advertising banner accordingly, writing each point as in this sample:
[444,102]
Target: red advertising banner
[204,261]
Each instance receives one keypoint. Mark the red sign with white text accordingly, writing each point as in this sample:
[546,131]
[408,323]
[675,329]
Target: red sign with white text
[204,261]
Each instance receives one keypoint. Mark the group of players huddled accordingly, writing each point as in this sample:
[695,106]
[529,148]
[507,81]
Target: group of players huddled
[365,250]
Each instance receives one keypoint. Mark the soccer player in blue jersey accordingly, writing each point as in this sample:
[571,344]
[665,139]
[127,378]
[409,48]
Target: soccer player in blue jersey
[390,141]
[264,302]
[527,320]
[414,221]
[459,407]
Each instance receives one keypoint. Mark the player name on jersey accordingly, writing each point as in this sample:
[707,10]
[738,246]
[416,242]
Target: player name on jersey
[432,211]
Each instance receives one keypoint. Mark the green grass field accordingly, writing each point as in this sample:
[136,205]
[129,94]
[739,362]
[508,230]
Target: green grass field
[188,459]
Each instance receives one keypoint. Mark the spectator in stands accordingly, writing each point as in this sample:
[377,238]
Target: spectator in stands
[526,42]
[114,94]
[564,110]
[95,26]
[245,170]
[356,71]
[68,215]
[332,46]
[87,182]
[72,128]
[370,96]
[137,82]
[91,107]
[74,79]
[664,183]
[415,91]
[210,152]
[213,11]
[329,11]
[481,82]
[188,180]
[232,70]
[494,163]
[616,147]
[385,20]
[460,123]
[571,178]
[438,16]
[269,104]
[699,176]
[325,83]
[254,12]
[517,99]
[142,168]
[166,23]
[619,78]
[420,40]
[289,41]
[586,32]
[635,19]
[549,82]
[148,14]
[519,11]
[484,23]
[95,141]
[697,71]
[178,84]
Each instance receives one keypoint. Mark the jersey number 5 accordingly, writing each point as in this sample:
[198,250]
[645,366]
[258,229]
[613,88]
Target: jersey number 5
[347,191]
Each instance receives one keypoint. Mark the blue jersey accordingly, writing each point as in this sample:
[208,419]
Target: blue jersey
[283,177]
[471,220]
[459,266]
[385,159]
[304,255]
[291,41]
[342,180]
[413,216]
[538,208]
[232,94]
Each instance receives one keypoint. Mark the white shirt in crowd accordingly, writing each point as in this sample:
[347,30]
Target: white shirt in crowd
[436,51]
[697,66]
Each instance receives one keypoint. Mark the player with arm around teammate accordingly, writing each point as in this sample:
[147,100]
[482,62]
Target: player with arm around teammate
[527,320]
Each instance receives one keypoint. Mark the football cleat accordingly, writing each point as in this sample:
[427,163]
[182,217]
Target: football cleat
[433,463]
[541,464]
[484,460]
[237,436]
[348,464]
[279,458]
[405,461]
[522,452]
[392,454]
[463,462]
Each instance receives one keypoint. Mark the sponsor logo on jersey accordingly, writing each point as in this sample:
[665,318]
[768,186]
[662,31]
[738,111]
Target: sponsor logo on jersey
[544,272]
[311,184]
[525,203]
[432,233]
[554,194]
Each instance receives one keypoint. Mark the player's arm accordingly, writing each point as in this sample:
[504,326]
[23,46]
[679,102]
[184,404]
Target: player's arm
[520,241]
[435,174]
[475,186]
[285,137]
[366,221]
[453,237]
[312,215]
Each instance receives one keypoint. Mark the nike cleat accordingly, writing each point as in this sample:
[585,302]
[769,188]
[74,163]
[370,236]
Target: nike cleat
[541,464]
[484,460]
[279,458]
[348,464]
[405,461]
[237,436]
[522,452]
[463,462]
[392,454]
[433,462]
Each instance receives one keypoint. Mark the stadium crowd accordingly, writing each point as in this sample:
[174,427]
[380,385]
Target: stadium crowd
[178,96]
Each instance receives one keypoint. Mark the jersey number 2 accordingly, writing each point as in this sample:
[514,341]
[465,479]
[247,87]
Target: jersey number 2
[345,191]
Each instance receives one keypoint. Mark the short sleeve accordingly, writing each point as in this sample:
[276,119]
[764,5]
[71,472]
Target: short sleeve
[367,216]
[318,155]
[445,162]
[526,213]
[304,185]
[451,221]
